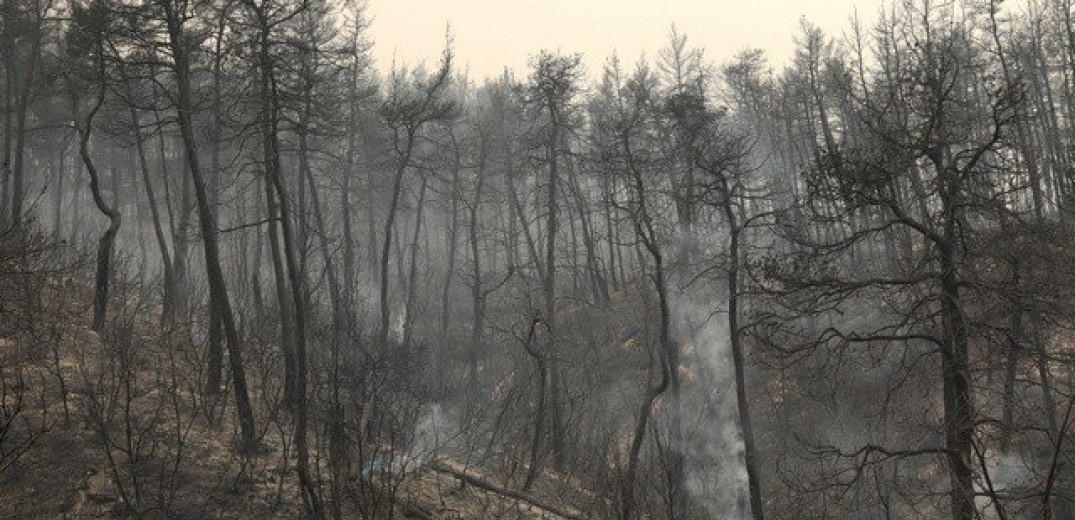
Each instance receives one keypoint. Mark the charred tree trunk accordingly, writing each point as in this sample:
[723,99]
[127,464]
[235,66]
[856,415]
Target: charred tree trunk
[22,110]
[556,412]
[177,226]
[168,312]
[107,241]
[338,449]
[287,329]
[269,99]
[477,327]
[645,233]
[412,272]
[646,236]
[57,193]
[1011,364]
[955,369]
[742,403]
[390,220]
[524,224]
[540,400]
[451,241]
[220,306]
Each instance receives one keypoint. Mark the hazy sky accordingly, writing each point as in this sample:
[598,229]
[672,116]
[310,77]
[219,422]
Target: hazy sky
[493,34]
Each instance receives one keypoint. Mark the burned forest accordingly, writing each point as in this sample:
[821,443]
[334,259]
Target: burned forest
[249,270]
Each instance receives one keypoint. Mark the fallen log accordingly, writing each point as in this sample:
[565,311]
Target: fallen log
[441,466]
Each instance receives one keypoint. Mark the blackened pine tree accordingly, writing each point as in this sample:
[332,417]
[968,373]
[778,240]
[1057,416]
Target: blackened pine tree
[930,123]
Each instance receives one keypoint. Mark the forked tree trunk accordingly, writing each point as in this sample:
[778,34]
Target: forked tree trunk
[390,220]
[168,312]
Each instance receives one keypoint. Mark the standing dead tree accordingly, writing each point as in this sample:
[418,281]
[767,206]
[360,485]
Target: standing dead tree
[175,26]
[406,111]
[86,48]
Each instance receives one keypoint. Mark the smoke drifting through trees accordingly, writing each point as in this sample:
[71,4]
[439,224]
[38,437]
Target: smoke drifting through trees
[680,290]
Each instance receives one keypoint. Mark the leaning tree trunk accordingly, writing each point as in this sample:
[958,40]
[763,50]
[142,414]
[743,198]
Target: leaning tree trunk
[168,312]
[645,233]
[540,400]
[338,449]
[287,328]
[108,238]
[220,307]
[627,493]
